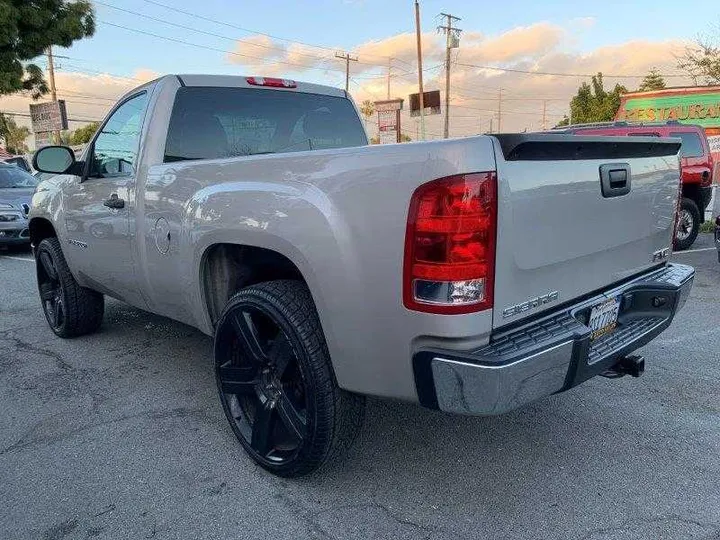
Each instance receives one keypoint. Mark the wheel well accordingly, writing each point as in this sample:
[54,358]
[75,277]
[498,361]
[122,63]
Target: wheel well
[40,228]
[227,268]
[691,191]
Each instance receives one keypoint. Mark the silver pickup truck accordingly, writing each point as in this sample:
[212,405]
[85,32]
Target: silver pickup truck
[471,276]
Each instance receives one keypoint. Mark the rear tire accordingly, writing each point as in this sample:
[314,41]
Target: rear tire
[688,224]
[276,381]
[70,310]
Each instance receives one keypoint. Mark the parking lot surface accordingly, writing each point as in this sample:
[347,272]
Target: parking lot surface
[121,435]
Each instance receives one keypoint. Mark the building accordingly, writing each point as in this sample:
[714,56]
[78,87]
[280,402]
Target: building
[698,105]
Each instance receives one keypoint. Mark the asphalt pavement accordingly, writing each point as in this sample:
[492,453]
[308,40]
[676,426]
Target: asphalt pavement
[121,435]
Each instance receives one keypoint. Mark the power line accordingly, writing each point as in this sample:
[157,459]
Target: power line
[504,111]
[91,96]
[27,115]
[197,30]
[554,74]
[97,72]
[474,98]
[230,25]
[209,48]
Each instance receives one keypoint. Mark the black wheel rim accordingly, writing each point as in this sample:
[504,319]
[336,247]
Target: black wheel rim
[51,293]
[261,385]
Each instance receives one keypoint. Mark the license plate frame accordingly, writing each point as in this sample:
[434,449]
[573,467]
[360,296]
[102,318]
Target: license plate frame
[603,317]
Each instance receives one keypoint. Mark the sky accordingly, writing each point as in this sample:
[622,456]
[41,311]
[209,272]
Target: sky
[137,40]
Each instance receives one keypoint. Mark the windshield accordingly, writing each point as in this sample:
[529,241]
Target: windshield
[209,122]
[14,177]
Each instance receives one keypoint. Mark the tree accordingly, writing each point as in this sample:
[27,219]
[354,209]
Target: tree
[28,28]
[652,81]
[593,103]
[84,134]
[367,109]
[14,135]
[701,61]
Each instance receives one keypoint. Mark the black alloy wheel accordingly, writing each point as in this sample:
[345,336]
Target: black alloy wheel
[70,310]
[276,383]
[262,386]
[51,292]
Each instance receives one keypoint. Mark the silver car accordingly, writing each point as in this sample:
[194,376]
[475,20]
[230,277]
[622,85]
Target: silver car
[16,189]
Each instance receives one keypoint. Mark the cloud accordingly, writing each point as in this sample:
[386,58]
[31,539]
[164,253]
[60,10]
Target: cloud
[88,97]
[521,42]
[402,47]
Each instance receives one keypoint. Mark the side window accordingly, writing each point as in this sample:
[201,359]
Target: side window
[116,146]
[691,145]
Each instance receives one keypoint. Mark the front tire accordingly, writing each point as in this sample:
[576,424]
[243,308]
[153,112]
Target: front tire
[70,310]
[688,224]
[276,381]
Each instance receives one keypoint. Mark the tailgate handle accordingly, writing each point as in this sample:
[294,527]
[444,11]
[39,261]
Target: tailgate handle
[615,179]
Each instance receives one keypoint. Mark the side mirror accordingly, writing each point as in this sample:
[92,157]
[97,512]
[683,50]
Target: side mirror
[55,159]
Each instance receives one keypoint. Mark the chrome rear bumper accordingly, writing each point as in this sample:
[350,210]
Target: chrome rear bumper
[551,353]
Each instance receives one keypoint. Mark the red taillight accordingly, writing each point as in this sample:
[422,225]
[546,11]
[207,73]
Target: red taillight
[271,81]
[450,245]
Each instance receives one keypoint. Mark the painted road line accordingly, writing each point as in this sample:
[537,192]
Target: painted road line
[16,258]
[692,251]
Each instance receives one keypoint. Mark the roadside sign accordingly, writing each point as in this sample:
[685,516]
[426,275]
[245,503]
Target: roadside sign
[388,113]
[431,103]
[50,116]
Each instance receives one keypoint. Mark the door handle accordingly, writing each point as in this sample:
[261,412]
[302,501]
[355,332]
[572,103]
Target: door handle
[114,202]
[615,179]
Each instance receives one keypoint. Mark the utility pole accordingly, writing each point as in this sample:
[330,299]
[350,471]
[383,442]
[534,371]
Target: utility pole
[420,68]
[53,93]
[491,122]
[544,124]
[348,59]
[499,110]
[388,77]
[452,41]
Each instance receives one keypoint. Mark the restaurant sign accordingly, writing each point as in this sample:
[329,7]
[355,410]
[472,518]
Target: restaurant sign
[696,108]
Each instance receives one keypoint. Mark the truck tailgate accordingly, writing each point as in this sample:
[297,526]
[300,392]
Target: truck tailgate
[561,234]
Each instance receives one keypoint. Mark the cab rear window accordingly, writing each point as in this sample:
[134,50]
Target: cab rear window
[691,145]
[212,122]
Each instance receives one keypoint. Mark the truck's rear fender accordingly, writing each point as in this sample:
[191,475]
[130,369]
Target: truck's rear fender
[296,221]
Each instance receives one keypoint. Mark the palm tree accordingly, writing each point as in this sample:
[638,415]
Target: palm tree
[367,109]
[14,135]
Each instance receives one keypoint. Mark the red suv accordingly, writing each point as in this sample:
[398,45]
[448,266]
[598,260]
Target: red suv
[696,165]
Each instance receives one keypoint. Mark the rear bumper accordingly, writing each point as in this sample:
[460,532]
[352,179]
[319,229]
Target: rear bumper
[551,353]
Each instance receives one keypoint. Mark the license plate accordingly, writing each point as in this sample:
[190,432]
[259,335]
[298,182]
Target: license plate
[603,317]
